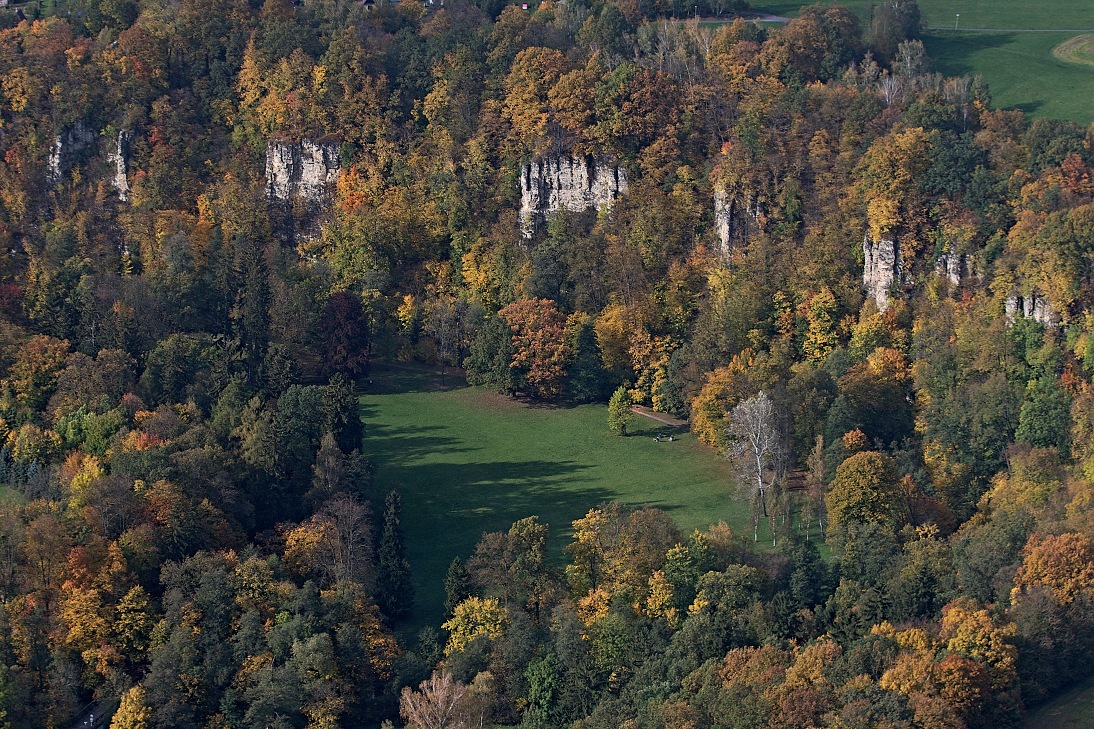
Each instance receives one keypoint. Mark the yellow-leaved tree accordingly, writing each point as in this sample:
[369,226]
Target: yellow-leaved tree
[134,712]
[473,618]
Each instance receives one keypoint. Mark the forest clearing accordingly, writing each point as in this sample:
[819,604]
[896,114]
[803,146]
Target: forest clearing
[467,462]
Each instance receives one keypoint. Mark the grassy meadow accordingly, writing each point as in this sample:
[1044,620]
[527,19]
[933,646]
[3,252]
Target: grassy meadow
[1071,710]
[1018,64]
[1001,14]
[1021,71]
[468,461]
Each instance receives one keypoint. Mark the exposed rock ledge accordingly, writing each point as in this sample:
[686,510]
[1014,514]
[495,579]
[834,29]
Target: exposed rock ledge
[882,268]
[66,148]
[1032,306]
[735,217]
[304,170]
[119,159]
[567,183]
[954,266]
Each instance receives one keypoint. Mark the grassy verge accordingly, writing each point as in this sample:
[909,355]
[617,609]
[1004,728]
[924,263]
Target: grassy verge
[468,461]
[1073,710]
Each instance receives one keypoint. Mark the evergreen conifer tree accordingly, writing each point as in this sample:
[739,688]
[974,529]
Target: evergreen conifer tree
[457,586]
[394,590]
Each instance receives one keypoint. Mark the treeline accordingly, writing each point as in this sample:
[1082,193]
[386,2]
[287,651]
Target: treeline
[189,527]
[648,627]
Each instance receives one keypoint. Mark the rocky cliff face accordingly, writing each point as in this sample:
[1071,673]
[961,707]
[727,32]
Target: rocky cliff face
[735,218]
[1032,306]
[567,183]
[304,171]
[67,148]
[881,269]
[119,161]
[954,266]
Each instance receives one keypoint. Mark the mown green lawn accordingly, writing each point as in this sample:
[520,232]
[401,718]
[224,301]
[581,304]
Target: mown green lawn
[1073,710]
[1007,14]
[1018,66]
[468,462]
[1020,70]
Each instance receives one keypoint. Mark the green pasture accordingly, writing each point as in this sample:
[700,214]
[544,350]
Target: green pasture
[1001,14]
[1018,65]
[1072,710]
[468,461]
[1021,71]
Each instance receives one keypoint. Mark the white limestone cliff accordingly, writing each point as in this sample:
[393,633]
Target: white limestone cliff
[567,183]
[735,218]
[66,147]
[119,160]
[301,171]
[881,269]
[954,266]
[1031,306]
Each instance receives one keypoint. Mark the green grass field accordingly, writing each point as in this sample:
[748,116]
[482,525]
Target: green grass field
[1021,71]
[1073,710]
[1003,14]
[1020,68]
[468,462]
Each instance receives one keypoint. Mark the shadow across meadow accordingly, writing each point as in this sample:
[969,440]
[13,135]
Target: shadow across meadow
[954,54]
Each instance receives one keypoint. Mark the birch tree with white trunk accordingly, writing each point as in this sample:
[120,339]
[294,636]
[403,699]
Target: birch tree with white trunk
[756,447]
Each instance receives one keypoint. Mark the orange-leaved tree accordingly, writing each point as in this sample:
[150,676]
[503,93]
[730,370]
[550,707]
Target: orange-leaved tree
[540,351]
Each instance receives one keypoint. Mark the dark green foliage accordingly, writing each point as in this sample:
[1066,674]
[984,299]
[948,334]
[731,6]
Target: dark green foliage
[457,586]
[1045,415]
[250,311]
[894,21]
[490,355]
[341,413]
[985,552]
[394,590]
[586,380]
[543,686]
[810,577]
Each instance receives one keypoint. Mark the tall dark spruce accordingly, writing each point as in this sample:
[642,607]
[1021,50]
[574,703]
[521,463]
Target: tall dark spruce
[394,590]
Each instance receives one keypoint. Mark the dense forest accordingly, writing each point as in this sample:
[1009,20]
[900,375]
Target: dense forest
[854,277]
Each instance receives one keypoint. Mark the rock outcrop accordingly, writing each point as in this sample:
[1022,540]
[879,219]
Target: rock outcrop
[67,147]
[954,266]
[119,160]
[735,218]
[303,171]
[1032,306]
[882,268]
[567,183]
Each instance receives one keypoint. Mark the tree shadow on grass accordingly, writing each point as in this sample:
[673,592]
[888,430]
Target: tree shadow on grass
[447,507]
[491,495]
[1030,107]
[387,379]
[393,446]
[953,53]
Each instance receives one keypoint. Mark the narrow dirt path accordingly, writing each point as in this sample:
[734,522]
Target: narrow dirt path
[659,417]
